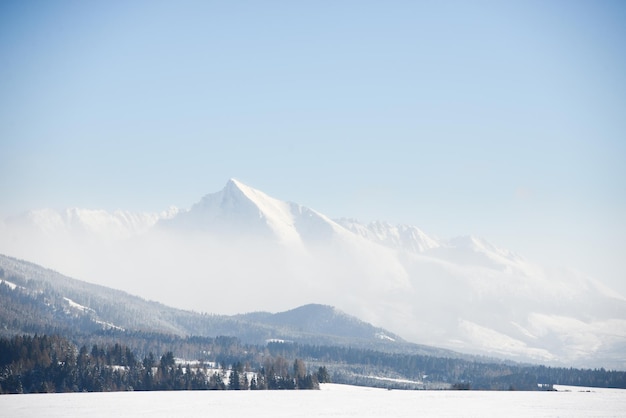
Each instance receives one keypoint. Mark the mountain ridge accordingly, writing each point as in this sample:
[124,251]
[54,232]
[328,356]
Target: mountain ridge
[36,299]
[462,293]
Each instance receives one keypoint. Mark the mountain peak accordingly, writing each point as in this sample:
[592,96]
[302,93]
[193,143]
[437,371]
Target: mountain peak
[240,210]
[234,183]
[235,187]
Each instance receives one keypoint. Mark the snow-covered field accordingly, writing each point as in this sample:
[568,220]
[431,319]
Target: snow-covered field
[331,401]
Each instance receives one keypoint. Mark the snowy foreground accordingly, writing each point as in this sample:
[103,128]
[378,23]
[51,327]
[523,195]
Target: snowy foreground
[332,401]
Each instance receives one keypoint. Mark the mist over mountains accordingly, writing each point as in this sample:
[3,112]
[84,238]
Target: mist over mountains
[240,250]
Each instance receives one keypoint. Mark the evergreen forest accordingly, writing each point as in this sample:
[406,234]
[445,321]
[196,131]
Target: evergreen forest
[52,363]
[46,364]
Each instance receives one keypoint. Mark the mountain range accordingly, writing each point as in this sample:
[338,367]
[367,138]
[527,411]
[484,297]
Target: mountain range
[36,300]
[240,250]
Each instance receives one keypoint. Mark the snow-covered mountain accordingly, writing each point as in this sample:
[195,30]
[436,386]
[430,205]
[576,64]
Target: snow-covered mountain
[76,223]
[241,210]
[240,250]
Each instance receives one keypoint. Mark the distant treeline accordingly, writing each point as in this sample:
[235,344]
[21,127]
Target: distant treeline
[459,373]
[40,364]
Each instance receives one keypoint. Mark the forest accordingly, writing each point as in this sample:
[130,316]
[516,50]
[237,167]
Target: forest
[121,361]
[45,364]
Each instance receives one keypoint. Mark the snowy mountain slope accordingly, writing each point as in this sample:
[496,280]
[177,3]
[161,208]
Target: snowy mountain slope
[467,250]
[86,223]
[551,315]
[403,237]
[240,250]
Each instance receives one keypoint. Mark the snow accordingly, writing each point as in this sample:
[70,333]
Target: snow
[331,401]
[276,212]
[383,336]
[11,285]
[274,340]
[108,325]
[82,308]
[405,237]
[390,379]
[498,343]
[77,306]
[80,223]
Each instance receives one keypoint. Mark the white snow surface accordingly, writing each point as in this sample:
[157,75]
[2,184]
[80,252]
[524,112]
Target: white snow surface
[406,237]
[332,400]
[462,293]
[77,306]
[11,285]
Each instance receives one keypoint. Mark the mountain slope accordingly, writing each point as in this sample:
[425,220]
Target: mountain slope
[240,250]
[315,320]
[38,300]
[403,237]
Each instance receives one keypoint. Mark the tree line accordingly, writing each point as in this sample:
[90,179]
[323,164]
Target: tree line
[41,364]
[457,372]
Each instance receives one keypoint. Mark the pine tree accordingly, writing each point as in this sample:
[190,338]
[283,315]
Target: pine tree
[322,375]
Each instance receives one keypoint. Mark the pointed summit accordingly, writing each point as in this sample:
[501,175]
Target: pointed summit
[236,188]
[237,183]
[232,196]
[233,183]
[241,210]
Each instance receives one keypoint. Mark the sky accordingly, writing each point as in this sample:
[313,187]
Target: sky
[505,120]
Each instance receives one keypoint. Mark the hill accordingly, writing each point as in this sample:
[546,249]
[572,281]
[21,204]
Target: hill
[34,299]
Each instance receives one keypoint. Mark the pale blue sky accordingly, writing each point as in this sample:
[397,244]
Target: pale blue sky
[505,120]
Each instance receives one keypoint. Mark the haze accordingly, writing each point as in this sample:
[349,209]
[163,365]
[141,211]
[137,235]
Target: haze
[499,120]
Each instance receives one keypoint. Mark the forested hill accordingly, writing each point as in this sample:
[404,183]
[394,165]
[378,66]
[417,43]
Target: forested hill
[37,300]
